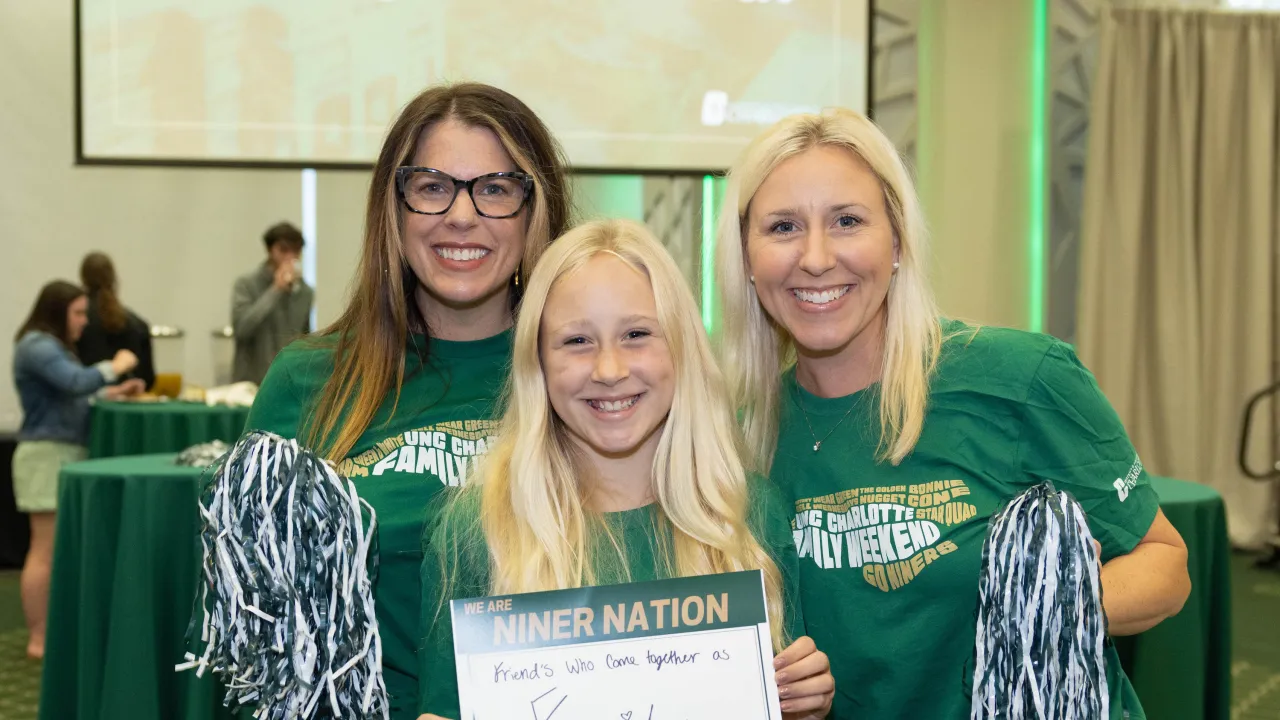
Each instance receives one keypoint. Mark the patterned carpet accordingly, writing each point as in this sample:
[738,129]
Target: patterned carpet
[19,677]
[1255,670]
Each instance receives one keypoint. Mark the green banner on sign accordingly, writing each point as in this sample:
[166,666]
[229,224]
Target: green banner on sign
[608,612]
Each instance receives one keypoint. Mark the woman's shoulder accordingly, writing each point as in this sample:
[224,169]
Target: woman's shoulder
[307,362]
[1001,359]
[136,324]
[37,342]
[293,381]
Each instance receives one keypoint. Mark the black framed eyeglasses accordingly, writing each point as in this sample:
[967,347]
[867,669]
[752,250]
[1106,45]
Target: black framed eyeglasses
[428,191]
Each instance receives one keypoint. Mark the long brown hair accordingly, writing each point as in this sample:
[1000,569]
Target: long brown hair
[370,336]
[98,275]
[49,314]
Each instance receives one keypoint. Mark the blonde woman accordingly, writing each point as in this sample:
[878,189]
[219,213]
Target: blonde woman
[616,460]
[898,433]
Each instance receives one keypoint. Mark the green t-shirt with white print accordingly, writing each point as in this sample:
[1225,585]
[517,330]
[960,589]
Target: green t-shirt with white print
[442,421]
[890,556]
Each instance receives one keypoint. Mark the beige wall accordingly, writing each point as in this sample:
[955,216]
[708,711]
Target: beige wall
[179,237]
[973,154]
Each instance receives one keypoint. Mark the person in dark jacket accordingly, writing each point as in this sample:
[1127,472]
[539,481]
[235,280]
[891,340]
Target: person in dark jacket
[54,388]
[112,326]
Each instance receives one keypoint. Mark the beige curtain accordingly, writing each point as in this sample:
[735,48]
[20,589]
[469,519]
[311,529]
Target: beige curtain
[1179,242]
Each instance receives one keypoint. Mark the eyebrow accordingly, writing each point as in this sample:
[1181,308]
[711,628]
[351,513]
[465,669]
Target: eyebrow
[582,323]
[784,212]
[638,318]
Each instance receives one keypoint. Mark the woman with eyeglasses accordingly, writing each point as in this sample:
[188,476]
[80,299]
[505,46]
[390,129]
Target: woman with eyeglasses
[467,192]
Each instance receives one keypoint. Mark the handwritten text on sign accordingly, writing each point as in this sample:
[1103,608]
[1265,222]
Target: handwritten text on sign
[684,648]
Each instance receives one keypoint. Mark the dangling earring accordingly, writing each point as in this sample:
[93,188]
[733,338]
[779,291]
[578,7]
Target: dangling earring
[517,277]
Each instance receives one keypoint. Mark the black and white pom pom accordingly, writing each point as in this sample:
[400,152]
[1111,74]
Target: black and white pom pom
[1041,626]
[285,604]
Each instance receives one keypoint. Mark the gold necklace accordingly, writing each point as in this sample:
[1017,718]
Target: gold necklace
[817,444]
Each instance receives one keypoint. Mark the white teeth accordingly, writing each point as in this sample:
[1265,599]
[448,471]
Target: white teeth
[614,405]
[449,253]
[819,298]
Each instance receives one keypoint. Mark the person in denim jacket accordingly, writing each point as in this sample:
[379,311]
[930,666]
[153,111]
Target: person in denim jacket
[54,388]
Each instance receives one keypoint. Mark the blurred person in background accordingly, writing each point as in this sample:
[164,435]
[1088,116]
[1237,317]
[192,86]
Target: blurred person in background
[271,306]
[112,326]
[54,388]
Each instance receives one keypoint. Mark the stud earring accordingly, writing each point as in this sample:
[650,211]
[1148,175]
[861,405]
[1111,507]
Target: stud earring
[753,279]
[895,264]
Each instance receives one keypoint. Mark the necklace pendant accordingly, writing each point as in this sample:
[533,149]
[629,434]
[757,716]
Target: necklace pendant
[817,445]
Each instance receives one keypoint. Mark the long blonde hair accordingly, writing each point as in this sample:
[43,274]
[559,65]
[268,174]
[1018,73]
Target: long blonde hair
[755,350]
[530,486]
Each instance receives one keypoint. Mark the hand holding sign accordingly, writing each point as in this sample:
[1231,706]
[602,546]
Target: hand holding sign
[804,679]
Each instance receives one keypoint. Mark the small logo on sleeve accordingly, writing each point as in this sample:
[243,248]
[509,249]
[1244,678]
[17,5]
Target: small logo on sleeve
[1125,484]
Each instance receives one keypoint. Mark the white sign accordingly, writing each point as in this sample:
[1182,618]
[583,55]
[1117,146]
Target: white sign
[677,649]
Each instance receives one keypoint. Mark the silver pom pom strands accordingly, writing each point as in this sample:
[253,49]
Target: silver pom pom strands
[285,604]
[1041,627]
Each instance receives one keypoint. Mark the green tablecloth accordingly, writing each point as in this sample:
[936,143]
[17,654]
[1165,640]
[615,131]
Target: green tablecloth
[134,428]
[1181,668]
[126,561]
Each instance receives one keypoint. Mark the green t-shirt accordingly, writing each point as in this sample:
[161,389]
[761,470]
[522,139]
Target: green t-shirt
[466,557]
[443,420]
[890,556]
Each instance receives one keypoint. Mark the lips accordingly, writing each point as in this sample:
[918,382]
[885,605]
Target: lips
[460,254]
[614,405]
[820,296]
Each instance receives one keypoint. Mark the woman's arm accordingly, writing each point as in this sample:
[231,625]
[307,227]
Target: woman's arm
[1074,438]
[46,359]
[1149,584]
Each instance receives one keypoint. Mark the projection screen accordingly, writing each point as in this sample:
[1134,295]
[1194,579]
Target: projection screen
[626,85]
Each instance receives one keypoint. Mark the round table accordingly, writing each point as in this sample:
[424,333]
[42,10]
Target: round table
[1181,668]
[136,428]
[125,569]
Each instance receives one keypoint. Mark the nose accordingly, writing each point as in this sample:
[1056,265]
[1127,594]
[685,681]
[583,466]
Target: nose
[463,212]
[819,254]
[610,366]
